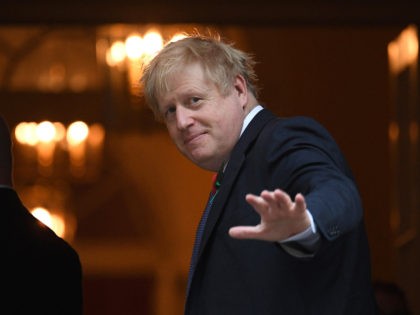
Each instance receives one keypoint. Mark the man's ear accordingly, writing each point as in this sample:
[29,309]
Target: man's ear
[241,89]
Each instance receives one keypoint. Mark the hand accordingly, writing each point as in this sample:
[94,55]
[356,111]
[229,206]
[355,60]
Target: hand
[281,218]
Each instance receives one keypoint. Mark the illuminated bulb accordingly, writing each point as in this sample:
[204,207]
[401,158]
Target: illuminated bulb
[20,132]
[153,42]
[26,133]
[77,132]
[116,54]
[134,46]
[45,131]
[403,51]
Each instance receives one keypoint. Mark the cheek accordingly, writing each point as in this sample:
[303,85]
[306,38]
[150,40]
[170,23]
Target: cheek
[233,120]
[173,133]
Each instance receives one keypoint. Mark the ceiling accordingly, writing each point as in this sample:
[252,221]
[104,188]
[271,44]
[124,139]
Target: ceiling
[247,12]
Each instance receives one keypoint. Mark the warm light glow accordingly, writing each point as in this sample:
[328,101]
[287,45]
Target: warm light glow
[414,132]
[134,46]
[96,135]
[31,133]
[20,132]
[54,222]
[410,43]
[42,215]
[403,51]
[58,225]
[393,57]
[101,48]
[393,132]
[45,131]
[153,42]
[82,143]
[116,53]
[77,132]
[177,37]
[60,131]
[138,50]
[25,133]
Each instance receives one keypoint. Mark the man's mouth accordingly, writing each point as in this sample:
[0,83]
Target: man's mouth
[192,138]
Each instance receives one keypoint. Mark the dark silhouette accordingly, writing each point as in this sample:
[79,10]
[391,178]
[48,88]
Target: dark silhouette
[41,272]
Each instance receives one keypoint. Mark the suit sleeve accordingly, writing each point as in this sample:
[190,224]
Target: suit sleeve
[303,158]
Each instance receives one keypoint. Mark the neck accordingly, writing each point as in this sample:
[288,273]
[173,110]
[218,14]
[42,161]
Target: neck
[251,104]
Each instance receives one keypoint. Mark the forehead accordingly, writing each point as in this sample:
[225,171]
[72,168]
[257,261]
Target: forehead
[187,76]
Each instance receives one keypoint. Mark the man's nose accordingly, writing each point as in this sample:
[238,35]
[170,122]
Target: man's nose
[183,117]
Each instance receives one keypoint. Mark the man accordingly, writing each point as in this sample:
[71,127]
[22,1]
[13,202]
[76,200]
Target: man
[41,273]
[284,232]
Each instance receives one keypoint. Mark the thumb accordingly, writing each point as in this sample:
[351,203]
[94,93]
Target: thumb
[244,232]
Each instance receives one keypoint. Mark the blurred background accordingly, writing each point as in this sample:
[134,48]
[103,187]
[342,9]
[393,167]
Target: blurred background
[91,161]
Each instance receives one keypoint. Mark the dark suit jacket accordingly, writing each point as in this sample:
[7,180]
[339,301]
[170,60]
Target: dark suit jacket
[41,273]
[238,277]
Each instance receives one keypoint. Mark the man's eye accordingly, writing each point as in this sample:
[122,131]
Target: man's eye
[170,111]
[195,100]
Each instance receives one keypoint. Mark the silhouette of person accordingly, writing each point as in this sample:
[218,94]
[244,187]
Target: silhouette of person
[42,273]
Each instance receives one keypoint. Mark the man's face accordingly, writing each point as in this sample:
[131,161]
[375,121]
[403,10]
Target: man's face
[204,124]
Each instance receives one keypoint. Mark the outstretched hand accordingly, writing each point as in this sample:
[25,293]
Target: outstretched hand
[281,217]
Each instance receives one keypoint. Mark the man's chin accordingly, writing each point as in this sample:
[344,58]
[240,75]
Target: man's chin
[207,163]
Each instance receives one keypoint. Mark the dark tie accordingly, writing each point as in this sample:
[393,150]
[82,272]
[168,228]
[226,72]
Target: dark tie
[217,178]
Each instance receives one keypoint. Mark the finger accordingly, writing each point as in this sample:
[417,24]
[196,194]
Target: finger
[277,199]
[269,197]
[245,232]
[283,199]
[258,203]
[300,203]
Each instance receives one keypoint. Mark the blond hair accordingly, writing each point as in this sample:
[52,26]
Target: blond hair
[221,62]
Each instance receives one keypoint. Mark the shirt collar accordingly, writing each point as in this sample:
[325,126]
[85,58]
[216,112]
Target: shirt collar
[247,120]
[250,116]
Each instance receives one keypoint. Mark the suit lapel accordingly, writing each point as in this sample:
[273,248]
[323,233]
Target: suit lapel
[232,170]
